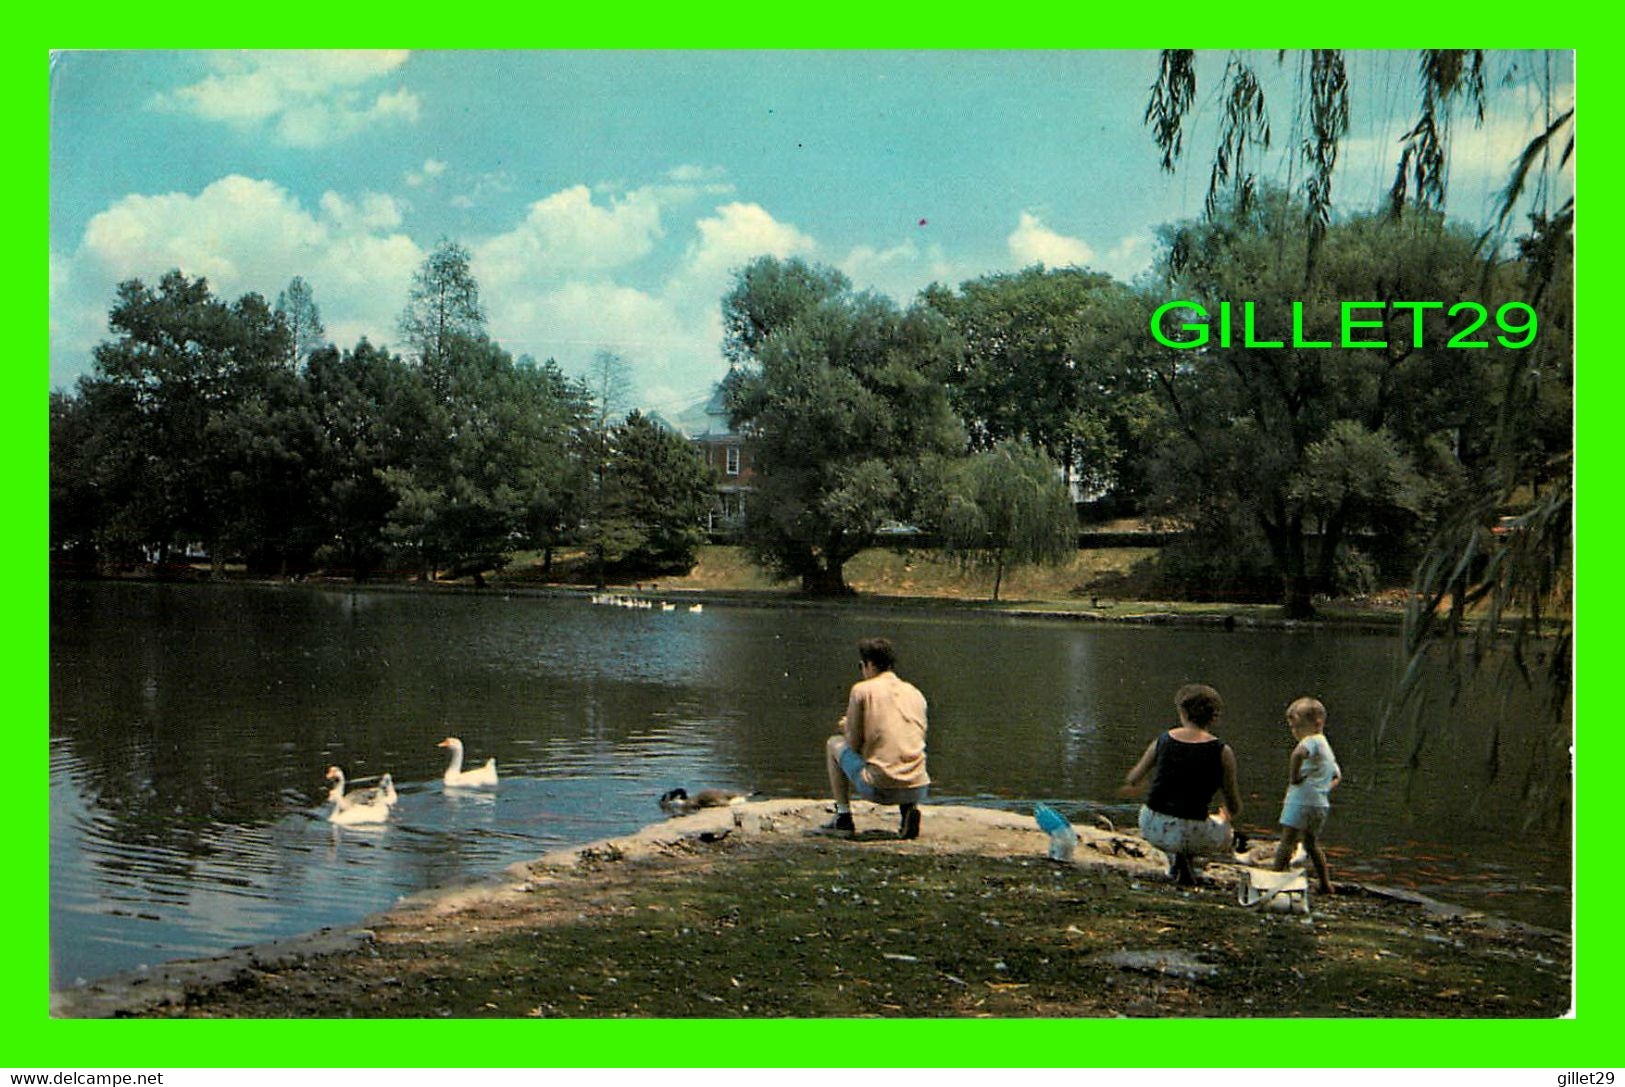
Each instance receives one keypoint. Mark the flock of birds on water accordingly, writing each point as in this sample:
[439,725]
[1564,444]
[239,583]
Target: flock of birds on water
[617,600]
[373,805]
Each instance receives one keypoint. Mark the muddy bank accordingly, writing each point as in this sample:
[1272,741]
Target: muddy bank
[750,912]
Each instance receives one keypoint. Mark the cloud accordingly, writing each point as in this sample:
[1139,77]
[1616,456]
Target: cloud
[431,169]
[1481,155]
[485,186]
[1034,243]
[305,99]
[575,320]
[1129,257]
[690,174]
[374,211]
[243,234]
[568,233]
[733,235]
[903,270]
[581,271]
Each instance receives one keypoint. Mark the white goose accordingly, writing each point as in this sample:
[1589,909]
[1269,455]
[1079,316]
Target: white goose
[367,806]
[468,779]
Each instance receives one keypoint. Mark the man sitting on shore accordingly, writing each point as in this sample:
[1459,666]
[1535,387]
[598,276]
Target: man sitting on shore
[879,750]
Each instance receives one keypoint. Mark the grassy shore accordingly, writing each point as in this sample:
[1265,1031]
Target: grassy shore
[1104,583]
[700,917]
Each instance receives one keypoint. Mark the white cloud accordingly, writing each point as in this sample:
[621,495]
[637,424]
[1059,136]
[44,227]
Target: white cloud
[1129,257]
[567,234]
[1481,155]
[431,169]
[555,285]
[692,174]
[243,234]
[485,186]
[728,239]
[903,270]
[306,99]
[1034,243]
[374,211]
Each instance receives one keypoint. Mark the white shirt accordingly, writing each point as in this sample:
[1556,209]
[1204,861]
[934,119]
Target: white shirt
[1318,769]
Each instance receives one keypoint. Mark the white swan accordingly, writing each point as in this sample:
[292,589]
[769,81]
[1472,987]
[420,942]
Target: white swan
[368,806]
[455,774]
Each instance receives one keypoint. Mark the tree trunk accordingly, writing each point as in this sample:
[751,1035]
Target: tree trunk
[998,575]
[1287,546]
[825,579]
[1298,602]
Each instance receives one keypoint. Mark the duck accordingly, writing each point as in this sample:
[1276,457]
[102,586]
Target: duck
[678,802]
[466,779]
[695,609]
[367,806]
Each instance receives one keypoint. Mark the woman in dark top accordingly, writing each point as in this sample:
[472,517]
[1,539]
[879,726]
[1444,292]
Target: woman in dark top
[1188,765]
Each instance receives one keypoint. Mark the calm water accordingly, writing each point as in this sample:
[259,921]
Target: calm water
[191,725]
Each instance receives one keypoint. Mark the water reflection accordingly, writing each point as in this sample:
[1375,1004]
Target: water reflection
[191,726]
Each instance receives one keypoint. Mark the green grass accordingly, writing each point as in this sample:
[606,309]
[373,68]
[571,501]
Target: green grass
[812,929]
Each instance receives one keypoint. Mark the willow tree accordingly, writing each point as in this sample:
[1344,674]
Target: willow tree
[1515,577]
[1010,508]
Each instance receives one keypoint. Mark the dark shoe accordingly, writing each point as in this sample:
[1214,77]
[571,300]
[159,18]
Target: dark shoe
[841,824]
[909,827]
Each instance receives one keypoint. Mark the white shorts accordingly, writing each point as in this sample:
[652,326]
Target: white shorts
[1172,834]
[1308,818]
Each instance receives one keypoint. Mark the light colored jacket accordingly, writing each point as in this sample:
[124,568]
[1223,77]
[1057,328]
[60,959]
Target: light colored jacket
[885,723]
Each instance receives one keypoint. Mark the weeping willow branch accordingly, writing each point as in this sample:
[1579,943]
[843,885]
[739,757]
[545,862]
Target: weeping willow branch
[1171,98]
[1423,174]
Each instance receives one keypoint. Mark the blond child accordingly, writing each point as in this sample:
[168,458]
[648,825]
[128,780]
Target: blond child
[1312,774]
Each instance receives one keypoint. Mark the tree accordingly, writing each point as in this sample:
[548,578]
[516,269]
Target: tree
[498,438]
[1029,374]
[1501,584]
[1011,508]
[444,305]
[373,413]
[608,532]
[852,424]
[1525,576]
[664,489]
[768,296]
[169,396]
[1305,446]
[76,500]
[296,305]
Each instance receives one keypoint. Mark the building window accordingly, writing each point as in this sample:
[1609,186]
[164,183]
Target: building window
[733,460]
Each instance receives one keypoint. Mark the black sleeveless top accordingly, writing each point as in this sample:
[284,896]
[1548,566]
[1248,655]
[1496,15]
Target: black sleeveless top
[1186,777]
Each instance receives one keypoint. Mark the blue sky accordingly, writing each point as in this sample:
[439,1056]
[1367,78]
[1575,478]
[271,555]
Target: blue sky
[606,197]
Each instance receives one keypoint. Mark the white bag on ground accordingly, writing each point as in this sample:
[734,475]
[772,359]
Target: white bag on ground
[1268,889]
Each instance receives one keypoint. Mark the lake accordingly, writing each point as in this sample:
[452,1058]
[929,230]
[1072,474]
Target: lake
[191,726]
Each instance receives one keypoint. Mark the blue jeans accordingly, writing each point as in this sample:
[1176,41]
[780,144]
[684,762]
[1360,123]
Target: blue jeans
[852,766]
